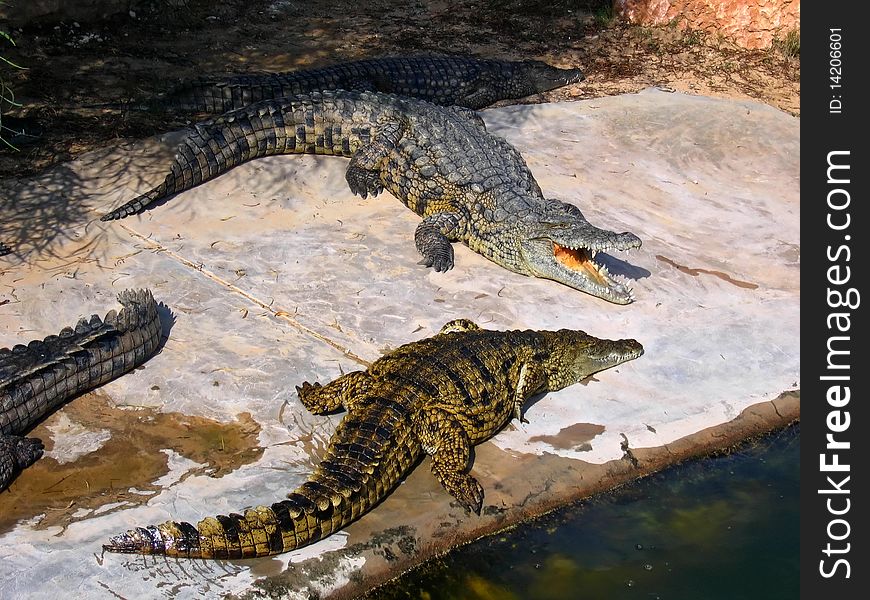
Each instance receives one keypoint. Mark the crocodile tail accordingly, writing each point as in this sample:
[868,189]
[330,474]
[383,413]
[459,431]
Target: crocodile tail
[365,460]
[140,202]
[38,377]
[135,329]
[120,106]
[200,95]
[259,531]
[211,95]
[306,124]
[217,95]
[139,312]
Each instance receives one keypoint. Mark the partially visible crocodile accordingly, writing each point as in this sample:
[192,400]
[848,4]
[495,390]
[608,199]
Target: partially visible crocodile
[467,184]
[38,378]
[447,80]
[438,396]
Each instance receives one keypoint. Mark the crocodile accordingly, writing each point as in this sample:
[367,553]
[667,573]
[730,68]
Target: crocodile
[446,80]
[467,184]
[439,397]
[38,378]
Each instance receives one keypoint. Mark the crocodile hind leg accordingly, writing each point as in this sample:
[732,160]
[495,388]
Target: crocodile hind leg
[457,325]
[322,399]
[17,453]
[444,439]
[363,174]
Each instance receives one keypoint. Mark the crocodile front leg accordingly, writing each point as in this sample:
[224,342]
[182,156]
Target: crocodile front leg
[531,380]
[481,96]
[444,439]
[433,239]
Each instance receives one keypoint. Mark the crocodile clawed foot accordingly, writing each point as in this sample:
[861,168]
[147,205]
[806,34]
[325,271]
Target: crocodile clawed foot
[307,387]
[363,182]
[467,490]
[518,412]
[308,395]
[440,259]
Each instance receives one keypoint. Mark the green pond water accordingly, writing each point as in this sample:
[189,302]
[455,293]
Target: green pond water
[724,527]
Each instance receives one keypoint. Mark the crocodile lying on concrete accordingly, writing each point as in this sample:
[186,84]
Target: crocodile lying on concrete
[438,396]
[446,80]
[467,184]
[38,378]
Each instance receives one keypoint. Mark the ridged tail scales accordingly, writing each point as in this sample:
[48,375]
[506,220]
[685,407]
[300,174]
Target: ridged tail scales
[368,455]
[319,123]
[218,95]
[37,378]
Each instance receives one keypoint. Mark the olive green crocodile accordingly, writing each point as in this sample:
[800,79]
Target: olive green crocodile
[467,184]
[438,396]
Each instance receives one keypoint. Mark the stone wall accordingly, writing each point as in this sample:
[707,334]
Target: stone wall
[748,23]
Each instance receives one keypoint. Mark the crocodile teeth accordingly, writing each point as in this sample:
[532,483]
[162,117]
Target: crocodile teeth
[572,258]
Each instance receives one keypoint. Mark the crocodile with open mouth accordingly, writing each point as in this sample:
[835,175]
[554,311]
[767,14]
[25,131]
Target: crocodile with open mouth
[467,184]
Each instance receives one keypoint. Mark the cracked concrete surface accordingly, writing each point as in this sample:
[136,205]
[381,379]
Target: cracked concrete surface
[275,274]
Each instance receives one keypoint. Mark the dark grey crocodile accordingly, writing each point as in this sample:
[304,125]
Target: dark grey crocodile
[446,80]
[38,378]
[439,396]
[467,184]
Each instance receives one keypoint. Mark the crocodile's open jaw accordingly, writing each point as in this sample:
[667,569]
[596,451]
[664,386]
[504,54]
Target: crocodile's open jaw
[581,262]
[576,267]
[581,259]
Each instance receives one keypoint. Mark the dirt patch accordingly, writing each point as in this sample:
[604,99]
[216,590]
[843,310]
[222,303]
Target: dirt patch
[71,65]
[126,459]
[574,437]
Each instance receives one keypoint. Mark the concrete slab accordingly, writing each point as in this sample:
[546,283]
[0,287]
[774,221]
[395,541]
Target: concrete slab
[275,274]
